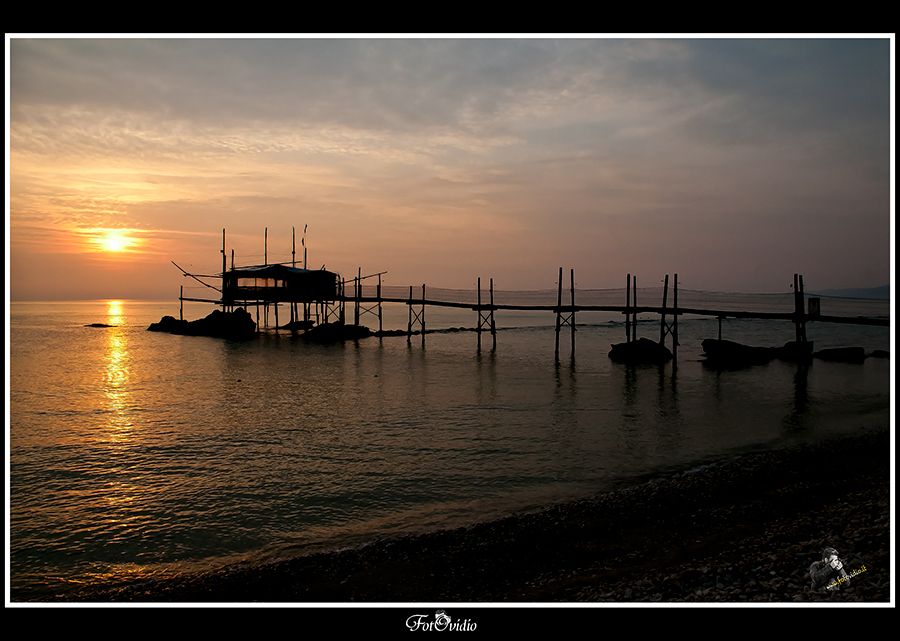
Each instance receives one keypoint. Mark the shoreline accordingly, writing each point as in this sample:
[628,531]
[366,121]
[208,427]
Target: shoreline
[743,529]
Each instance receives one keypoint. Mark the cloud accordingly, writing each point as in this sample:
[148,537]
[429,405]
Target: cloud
[550,143]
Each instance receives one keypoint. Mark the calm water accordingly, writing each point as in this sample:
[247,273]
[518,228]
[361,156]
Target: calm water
[134,453]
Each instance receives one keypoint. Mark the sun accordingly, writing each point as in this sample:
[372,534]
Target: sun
[114,243]
[122,242]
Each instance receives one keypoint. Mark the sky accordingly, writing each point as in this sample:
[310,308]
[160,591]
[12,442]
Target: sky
[733,162]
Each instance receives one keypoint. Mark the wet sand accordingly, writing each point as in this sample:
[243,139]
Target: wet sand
[742,530]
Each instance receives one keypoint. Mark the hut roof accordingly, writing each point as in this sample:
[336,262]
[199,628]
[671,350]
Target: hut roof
[273,271]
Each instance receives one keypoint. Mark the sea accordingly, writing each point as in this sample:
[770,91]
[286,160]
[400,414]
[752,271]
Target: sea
[136,454]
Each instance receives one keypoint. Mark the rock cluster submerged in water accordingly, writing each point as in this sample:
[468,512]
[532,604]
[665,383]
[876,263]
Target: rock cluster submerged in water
[640,351]
[724,353]
[335,332]
[842,354]
[729,353]
[236,325]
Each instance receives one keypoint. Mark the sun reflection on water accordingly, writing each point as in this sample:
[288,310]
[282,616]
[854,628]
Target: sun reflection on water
[117,370]
[114,313]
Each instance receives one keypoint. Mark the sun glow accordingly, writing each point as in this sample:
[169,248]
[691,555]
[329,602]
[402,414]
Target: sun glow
[114,243]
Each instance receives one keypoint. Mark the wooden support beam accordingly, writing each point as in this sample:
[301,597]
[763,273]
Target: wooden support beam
[357,295]
[628,309]
[378,295]
[224,301]
[662,317]
[569,318]
[416,317]
[675,321]
[634,312]
[486,319]
[572,316]
[558,312]
[493,325]
[478,311]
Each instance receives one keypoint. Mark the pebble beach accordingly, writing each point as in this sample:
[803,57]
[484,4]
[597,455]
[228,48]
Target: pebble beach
[745,529]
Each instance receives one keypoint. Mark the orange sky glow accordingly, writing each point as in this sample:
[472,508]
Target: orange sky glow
[733,162]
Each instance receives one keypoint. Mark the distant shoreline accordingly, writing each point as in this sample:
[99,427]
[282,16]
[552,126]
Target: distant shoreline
[883,292]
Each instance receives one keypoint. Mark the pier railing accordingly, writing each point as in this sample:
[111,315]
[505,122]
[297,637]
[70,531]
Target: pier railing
[689,301]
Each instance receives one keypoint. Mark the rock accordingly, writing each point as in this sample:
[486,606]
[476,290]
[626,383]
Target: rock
[640,351]
[168,324]
[299,325]
[99,325]
[236,325]
[730,354]
[880,353]
[842,354]
[722,353]
[797,351]
[336,332]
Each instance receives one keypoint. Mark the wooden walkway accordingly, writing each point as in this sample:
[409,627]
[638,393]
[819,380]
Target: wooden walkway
[565,313]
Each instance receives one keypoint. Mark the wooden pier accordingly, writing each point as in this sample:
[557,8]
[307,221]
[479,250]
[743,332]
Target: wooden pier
[319,297]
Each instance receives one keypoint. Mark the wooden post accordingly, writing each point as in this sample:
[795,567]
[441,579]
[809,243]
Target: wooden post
[378,296]
[416,317]
[478,310]
[486,320]
[356,291]
[558,310]
[181,299]
[409,324]
[675,312]
[493,325]
[634,311]
[662,315]
[224,301]
[572,316]
[799,316]
[266,247]
[628,309]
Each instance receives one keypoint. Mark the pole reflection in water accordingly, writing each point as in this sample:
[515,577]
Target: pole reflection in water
[799,418]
